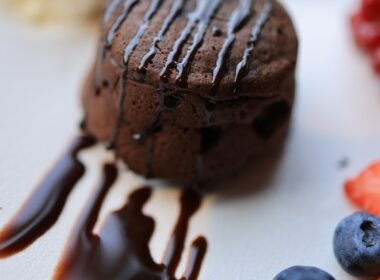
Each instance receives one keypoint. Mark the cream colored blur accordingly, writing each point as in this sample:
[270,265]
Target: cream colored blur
[42,11]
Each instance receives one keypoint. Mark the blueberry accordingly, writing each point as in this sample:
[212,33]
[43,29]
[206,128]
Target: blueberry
[303,273]
[357,245]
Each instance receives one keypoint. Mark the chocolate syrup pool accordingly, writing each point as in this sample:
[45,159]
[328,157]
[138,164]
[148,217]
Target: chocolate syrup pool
[121,248]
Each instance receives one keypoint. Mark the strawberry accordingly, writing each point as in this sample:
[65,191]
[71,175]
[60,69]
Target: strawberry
[364,191]
[371,9]
[366,33]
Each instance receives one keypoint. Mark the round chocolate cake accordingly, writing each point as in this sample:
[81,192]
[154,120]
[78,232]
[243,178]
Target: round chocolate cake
[192,90]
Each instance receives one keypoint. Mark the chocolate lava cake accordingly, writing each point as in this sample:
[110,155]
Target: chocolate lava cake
[192,91]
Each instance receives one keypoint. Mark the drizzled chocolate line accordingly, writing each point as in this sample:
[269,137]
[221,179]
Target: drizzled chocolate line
[204,20]
[128,51]
[199,18]
[127,8]
[149,158]
[98,71]
[109,37]
[200,15]
[110,10]
[199,168]
[174,12]
[235,23]
[152,10]
[116,131]
[45,205]
[81,259]
[121,249]
[197,255]
[255,36]
[190,203]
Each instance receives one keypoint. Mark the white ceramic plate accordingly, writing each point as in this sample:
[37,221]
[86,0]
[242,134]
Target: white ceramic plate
[253,234]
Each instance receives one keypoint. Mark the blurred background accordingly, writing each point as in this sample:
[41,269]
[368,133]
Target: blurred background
[48,11]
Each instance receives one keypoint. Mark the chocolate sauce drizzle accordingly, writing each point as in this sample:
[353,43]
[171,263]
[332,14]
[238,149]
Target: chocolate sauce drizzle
[109,10]
[201,16]
[153,8]
[174,12]
[128,51]
[241,68]
[200,19]
[236,22]
[127,8]
[190,202]
[46,203]
[121,249]
[196,258]
[108,40]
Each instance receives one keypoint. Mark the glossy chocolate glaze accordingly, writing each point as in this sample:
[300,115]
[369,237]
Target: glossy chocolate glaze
[121,248]
[44,206]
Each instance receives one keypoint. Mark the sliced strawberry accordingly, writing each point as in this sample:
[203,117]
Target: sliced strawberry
[376,60]
[366,33]
[364,191]
[371,9]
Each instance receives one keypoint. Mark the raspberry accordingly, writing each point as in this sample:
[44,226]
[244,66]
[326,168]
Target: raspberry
[371,9]
[366,33]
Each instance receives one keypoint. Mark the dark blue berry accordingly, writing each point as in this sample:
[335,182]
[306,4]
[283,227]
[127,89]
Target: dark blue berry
[303,273]
[357,245]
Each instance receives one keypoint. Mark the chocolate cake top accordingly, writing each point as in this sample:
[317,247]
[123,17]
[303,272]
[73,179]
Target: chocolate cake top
[219,49]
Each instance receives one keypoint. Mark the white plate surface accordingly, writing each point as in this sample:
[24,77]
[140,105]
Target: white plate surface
[252,234]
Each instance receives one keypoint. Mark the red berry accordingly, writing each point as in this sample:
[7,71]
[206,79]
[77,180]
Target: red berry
[364,191]
[366,33]
[376,60]
[371,9]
